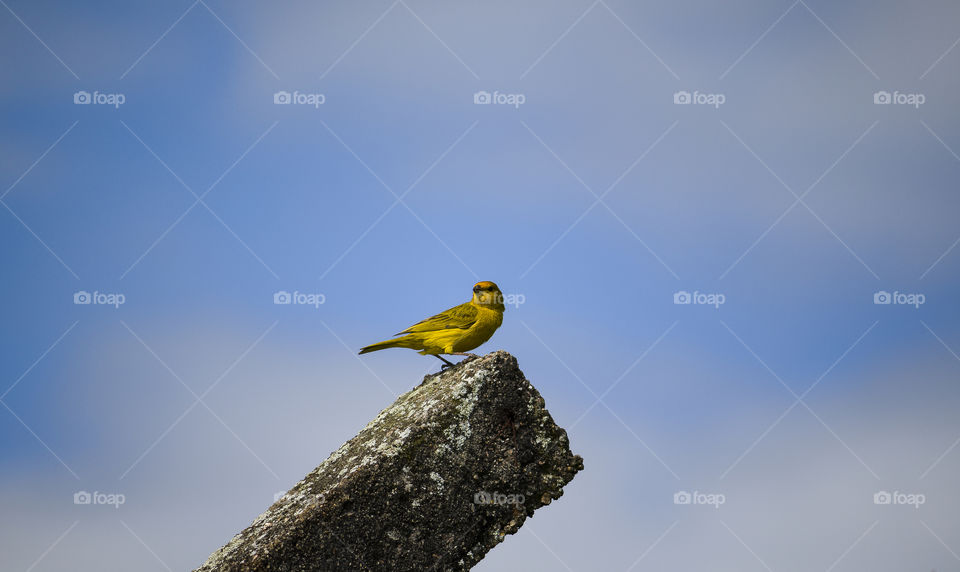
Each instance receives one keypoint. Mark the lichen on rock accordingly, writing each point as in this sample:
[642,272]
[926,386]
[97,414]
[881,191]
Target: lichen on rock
[435,481]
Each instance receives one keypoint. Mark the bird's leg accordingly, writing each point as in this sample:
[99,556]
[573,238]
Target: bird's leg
[448,364]
[468,354]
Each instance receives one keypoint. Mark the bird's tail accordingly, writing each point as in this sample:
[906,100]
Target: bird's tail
[401,342]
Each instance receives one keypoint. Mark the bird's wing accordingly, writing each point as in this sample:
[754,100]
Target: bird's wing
[459,317]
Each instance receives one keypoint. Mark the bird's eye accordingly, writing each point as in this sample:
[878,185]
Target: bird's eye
[476,289]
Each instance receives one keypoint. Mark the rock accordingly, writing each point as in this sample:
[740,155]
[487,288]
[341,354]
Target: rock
[433,482]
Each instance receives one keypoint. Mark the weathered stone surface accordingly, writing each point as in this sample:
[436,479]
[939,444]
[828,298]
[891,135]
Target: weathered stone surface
[433,482]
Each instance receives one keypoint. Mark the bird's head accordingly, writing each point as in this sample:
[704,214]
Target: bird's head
[487,294]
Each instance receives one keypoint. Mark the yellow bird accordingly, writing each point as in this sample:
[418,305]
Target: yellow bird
[455,331]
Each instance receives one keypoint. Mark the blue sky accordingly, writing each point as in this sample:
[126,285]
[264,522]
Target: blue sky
[796,199]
